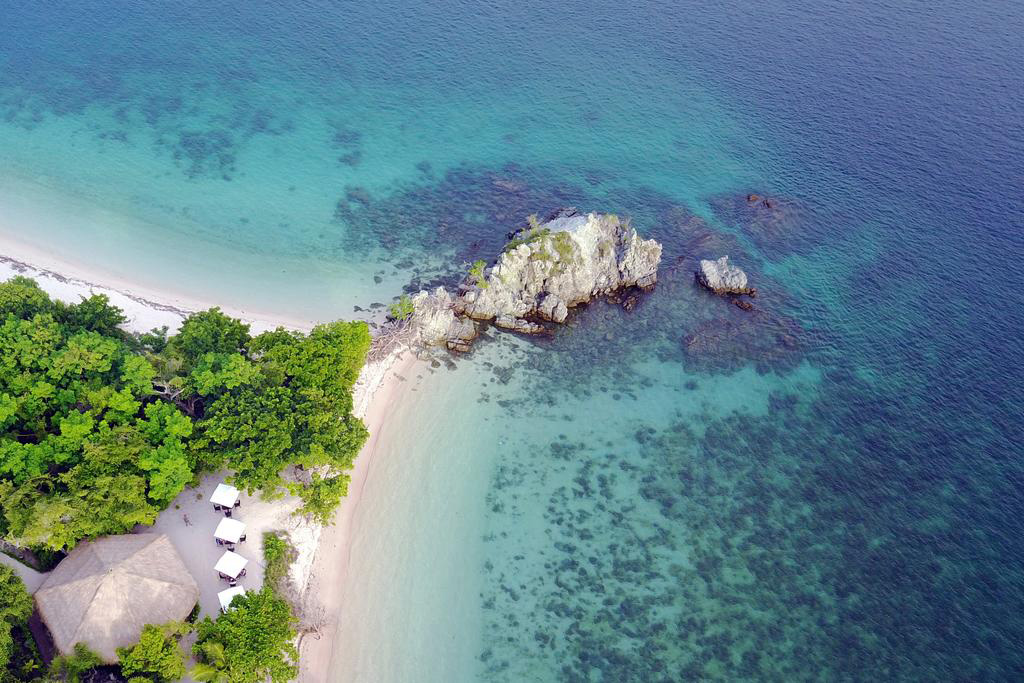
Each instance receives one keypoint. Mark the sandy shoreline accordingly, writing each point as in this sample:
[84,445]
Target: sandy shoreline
[323,562]
[327,581]
[145,308]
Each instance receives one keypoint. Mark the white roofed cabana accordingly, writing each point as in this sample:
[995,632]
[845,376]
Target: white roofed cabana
[226,596]
[224,495]
[230,564]
[230,530]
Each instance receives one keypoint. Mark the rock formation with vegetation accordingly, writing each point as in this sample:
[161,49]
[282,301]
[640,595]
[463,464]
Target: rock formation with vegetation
[545,270]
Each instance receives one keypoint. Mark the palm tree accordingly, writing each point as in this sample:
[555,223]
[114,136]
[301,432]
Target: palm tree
[204,673]
[71,667]
[214,670]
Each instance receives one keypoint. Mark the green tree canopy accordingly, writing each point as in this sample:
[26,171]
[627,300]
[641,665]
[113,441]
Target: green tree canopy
[95,314]
[157,656]
[22,297]
[253,642]
[100,430]
[287,402]
[85,446]
[15,609]
[210,332]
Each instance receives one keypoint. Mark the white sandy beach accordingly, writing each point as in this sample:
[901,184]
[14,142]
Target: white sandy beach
[145,308]
[328,578]
[323,553]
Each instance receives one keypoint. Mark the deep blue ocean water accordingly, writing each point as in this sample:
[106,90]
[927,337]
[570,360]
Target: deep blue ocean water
[826,488]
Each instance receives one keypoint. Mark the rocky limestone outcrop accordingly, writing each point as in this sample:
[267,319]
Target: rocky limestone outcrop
[432,316]
[434,322]
[723,278]
[551,267]
[543,271]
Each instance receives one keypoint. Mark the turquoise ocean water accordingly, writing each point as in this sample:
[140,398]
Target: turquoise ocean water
[826,488]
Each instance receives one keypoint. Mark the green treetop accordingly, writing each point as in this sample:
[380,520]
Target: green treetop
[210,332]
[15,609]
[252,643]
[157,657]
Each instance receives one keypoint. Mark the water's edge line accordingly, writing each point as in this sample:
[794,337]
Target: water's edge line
[61,279]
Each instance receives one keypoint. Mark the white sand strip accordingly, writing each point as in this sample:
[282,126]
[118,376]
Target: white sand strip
[326,587]
[144,308]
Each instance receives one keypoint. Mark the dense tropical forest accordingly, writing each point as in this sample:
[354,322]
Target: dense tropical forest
[100,429]
[17,650]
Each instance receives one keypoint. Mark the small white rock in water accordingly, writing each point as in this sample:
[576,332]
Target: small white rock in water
[722,278]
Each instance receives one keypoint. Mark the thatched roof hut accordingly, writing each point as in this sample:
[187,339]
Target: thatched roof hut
[106,590]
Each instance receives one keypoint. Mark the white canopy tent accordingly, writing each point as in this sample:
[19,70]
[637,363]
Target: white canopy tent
[224,495]
[230,564]
[229,530]
[226,596]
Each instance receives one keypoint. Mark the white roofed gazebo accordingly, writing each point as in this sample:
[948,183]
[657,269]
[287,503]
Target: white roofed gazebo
[230,564]
[229,530]
[224,495]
